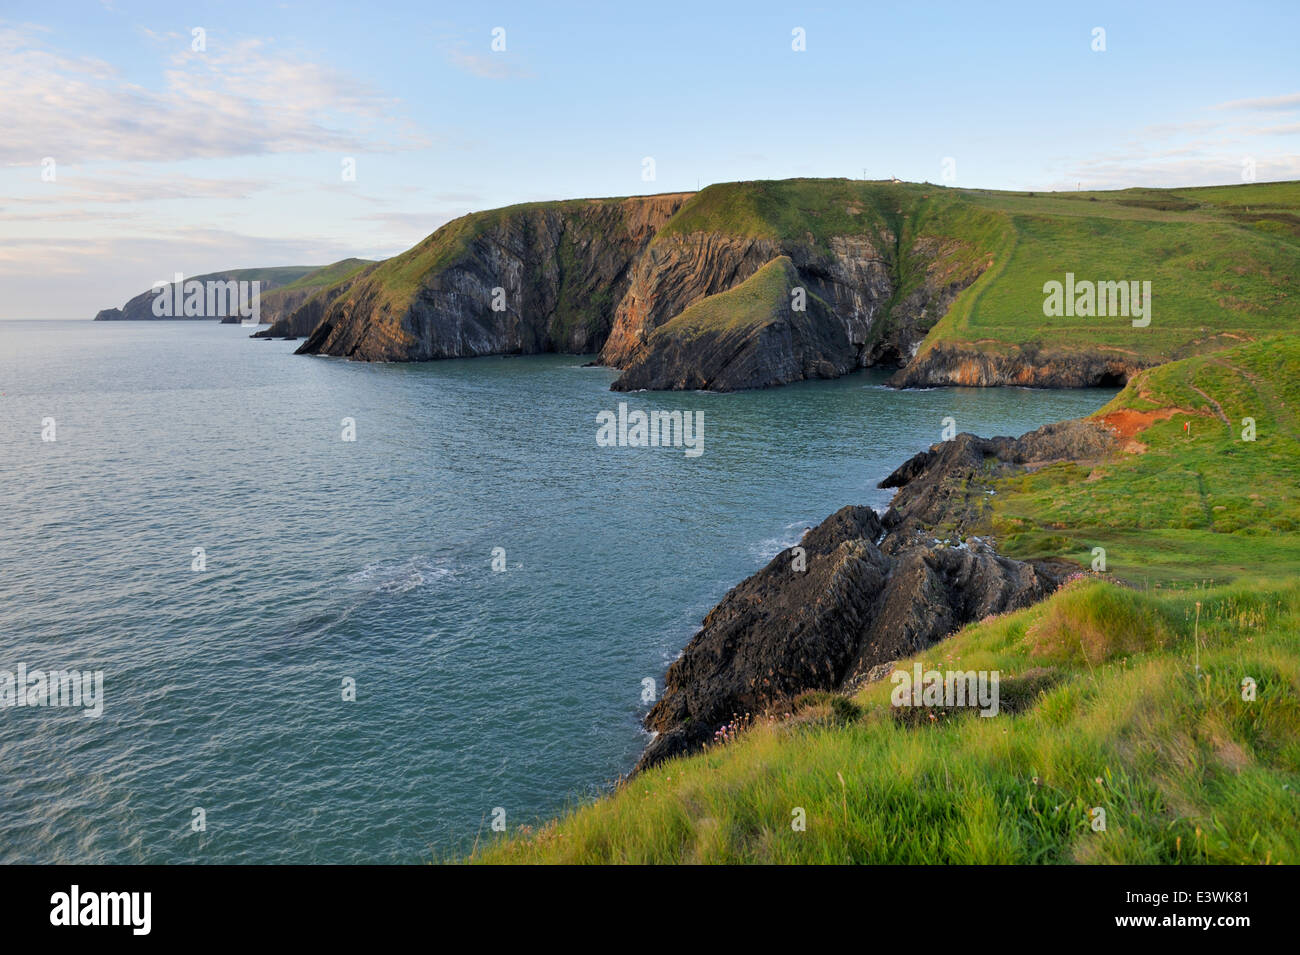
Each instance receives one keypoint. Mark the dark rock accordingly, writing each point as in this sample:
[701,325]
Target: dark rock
[562,268]
[747,337]
[1026,365]
[855,317]
[875,590]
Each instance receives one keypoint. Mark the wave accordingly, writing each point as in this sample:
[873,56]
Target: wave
[399,577]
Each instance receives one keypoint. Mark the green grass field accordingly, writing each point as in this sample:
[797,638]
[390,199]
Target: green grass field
[1191,506]
[1223,262]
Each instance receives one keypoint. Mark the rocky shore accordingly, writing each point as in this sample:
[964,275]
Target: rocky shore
[872,589]
[1029,366]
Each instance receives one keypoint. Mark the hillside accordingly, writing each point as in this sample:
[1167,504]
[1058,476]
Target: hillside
[521,280]
[1223,264]
[948,284]
[140,307]
[1121,691]
[295,309]
[746,337]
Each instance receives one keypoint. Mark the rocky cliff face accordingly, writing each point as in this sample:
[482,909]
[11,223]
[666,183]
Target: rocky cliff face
[862,316]
[527,279]
[674,274]
[769,330]
[875,589]
[878,267]
[301,312]
[1027,365]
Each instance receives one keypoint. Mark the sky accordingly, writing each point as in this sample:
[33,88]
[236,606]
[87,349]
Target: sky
[140,139]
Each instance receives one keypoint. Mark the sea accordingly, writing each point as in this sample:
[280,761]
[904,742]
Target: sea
[335,612]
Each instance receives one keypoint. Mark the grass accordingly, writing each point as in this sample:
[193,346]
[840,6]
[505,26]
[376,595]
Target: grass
[1186,770]
[326,275]
[760,299]
[1223,262]
[1179,507]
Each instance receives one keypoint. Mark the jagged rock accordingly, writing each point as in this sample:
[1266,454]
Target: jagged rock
[855,315]
[750,336]
[875,589]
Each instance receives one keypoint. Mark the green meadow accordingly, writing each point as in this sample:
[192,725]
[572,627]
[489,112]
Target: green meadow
[1207,491]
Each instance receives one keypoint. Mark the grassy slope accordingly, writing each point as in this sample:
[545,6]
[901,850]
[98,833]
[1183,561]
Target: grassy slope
[1184,768]
[326,275]
[1109,709]
[760,299]
[281,273]
[317,281]
[1208,505]
[894,216]
[1222,261]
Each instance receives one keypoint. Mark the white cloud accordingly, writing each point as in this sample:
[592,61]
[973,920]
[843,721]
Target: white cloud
[495,66]
[239,98]
[1288,102]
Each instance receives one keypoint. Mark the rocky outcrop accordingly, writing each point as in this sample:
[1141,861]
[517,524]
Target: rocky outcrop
[871,589]
[522,280]
[878,265]
[673,274]
[766,331]
[1027,365]
[869,307]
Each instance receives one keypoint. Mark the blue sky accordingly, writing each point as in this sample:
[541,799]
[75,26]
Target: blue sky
[168,158]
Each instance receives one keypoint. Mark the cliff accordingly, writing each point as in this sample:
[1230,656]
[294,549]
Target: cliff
[768,330]
[949,285]
[521,280]
[877,264]
[298,308]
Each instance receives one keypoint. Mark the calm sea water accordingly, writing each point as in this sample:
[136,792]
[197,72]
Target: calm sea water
[371,561]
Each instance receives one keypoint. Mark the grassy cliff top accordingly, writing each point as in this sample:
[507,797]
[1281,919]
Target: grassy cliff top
[1204,488]
[326,275]
[1222,261]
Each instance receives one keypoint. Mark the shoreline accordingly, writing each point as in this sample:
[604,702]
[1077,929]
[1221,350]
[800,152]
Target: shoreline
[896,578]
